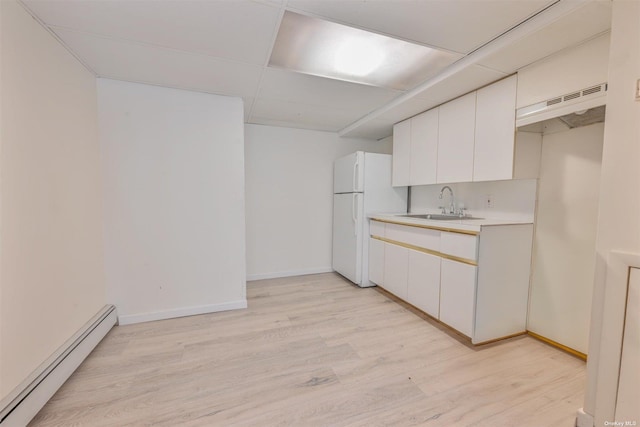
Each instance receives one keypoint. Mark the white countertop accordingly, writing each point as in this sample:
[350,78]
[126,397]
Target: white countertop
[465,224]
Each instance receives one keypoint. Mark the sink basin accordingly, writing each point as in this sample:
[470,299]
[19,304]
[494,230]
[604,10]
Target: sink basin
[440,217]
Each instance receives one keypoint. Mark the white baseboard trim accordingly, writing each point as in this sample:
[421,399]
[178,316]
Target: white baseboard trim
[583,419]
[277,275]
[129,319]
[24,402]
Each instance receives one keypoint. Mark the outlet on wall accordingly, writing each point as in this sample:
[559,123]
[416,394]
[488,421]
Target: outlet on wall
[488,201]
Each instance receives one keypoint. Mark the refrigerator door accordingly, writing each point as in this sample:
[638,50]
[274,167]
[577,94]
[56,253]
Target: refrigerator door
[347,235]
[348,173]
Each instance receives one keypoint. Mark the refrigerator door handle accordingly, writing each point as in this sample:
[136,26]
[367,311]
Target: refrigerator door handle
[355,174]
[354,213]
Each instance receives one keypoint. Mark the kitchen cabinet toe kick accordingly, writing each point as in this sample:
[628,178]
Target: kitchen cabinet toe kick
[443,326]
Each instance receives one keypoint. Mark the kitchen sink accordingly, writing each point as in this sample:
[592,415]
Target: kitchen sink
[440,217]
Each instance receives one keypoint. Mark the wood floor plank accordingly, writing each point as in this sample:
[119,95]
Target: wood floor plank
[315,351]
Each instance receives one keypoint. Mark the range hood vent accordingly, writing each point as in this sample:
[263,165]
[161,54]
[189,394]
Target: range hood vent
[554,101]
[559,106]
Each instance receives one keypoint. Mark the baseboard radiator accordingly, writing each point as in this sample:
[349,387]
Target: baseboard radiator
[24,402]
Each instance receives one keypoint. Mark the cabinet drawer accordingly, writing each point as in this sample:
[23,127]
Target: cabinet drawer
[377,228]
[420,237]
[460,245]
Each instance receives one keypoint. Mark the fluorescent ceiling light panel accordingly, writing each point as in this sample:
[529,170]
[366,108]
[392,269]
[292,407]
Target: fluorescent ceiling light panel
[322,48]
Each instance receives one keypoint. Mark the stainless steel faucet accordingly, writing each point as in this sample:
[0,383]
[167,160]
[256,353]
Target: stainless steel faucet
[452,206]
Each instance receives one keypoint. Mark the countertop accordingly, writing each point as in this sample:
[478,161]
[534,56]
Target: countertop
[464,224]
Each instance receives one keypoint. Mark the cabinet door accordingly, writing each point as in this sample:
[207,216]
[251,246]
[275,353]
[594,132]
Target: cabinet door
[424,148]
[458,295]
[376,261]
[396,259]
[423,283]
[456,133]
[495,131]
[401,154]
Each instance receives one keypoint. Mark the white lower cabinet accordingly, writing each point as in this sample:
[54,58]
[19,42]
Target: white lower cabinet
[458,295]
[423,282]
[396,259]
[476,284]
[376,261]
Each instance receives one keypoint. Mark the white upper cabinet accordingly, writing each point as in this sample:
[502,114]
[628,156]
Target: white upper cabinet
[401,154]
[495,131]
[456,135]
[471,138]
[424,148]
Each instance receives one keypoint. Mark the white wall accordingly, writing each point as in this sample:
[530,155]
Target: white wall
[527,155]
[51,269]
[514,199]
[173,168]
[619,207]
[564,241]
[289,180]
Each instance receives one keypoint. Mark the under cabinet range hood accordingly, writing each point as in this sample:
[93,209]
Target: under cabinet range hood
[575,103]
[584,117]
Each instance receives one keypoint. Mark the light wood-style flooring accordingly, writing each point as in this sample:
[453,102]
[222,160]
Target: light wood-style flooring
[315,351]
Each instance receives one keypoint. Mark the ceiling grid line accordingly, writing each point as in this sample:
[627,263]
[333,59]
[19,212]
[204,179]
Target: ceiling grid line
[49,30]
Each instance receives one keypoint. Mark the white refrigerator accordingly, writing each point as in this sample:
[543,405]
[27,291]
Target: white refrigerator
[361,185]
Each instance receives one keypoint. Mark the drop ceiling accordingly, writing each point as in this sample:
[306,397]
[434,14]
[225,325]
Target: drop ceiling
[224,46]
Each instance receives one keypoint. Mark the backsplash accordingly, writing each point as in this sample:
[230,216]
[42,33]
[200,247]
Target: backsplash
[514,199]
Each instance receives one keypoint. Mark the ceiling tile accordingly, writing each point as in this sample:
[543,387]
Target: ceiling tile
[299,88]
[240,30]
[289,114]
[591,19]
[460,26]
[165,67]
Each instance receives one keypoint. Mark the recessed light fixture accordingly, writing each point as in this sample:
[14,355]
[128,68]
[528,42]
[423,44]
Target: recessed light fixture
[357,57]
[322,48]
